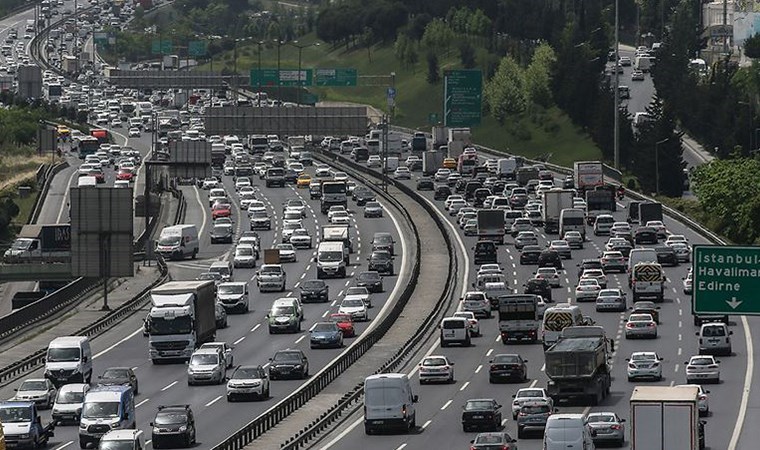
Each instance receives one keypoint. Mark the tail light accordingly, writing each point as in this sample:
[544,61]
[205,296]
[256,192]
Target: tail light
[712,366]
[651,324]
[615,427]
[629,325]
[702,397]
[403,410]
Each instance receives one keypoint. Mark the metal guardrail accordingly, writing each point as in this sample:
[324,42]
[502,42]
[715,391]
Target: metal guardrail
[42,193]
[271,417]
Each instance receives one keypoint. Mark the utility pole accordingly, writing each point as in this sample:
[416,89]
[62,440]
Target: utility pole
[384,140]
[725,27]
[616,138]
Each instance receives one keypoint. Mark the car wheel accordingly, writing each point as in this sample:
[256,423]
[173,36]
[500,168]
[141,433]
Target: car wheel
[230,398]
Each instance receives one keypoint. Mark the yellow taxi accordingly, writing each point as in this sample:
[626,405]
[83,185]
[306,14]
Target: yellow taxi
[303,180]
[63,131]
[450,163]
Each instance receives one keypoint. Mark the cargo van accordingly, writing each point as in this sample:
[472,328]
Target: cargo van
[714,338]
[178,242]
[389,403]
[455,330]
[122,440]
[648,281]
[331,259]
[572,219]
[106,408]
[564,431]
[638,255]
[68,403]
[223,268]
[69,360]
[557,318]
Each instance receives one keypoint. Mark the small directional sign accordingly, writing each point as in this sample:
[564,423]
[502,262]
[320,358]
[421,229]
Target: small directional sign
[726,280]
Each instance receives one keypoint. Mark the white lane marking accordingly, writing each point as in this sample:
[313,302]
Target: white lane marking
[168,385]
[446,405]
[239,341]
[203,210]
[66,195]
[675,369]
[477,370]
[488,353]
[425,425]
[103,352]
[533,383]
[300,339]
[255,328]
[400,447]
[464,386]
[326,313]
[747,386]
[142,403]
[213,401]
[64,445]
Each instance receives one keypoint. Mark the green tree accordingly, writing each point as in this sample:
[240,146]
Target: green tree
[752,46]
[538,75]
[466,54]
[505,93]
[433,73]
[478,24]
[438,37]
[660,151]
[368,38]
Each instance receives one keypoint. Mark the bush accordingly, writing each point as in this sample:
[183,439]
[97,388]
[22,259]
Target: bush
[523,134]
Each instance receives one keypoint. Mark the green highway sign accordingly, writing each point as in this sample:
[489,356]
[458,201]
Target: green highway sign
[196,48]
[161,46]
[462,98]
[264,77]
[100,37]
[286,77]
[726,280]
[335,77]
[432,118]
[290,77]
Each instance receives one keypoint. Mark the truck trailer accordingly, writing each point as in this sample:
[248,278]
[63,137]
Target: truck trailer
[666,418]
[577,365]
[518,318]
[554,201]
[587,175]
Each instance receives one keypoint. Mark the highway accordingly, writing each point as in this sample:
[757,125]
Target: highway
[439,408]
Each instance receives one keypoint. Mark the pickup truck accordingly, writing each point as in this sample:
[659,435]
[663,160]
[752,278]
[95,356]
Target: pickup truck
[22,425]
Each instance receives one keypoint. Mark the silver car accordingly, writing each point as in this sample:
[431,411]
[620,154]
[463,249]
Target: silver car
[640,326]
[644,365]
[611,300]
[525,238]
[574,239]
[608,426]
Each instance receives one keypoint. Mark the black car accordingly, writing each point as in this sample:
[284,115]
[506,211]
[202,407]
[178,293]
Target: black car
[360,154]
[539,286]
[119,376]
[666,256]
[291,176]
[289,364]
[362,195]
[481,413]
[221,233]
[645,235]
[589,264]
[470,188]
[550,258]
[425,184]
[509,367]
[383,241]
[441,192]
[568,182]
[173,424]
[529,254]
[485,253]
[314,290]
[647,307]
[371,280]
[381,261]
[479,196]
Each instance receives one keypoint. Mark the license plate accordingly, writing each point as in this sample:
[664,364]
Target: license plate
[378,422]
[477,417]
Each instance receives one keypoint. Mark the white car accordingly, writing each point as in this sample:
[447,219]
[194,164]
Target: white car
[703,401]
[296,205]
[701,369]
[242,182]
[644,365]
[659,227]
[248,381]
[587,290]
[489,269]
[640,326]
[245,256]
[451,198]
[456,205]
[442,175]
[134,132]
[436,368]
[402,173]
[682,251]
[374,161]
[300,238]
[288,227]
[287,251]
[359,292]
[356,308]
[549,274]
[340,218]
[529,395]
[673,238]
[322,171]
[333,210]
[596,274]
[472,320]
[116,123]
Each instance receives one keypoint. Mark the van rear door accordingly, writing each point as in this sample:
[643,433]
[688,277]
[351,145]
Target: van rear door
[384,400]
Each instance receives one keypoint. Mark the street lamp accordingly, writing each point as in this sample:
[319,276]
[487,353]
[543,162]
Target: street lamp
[657,164]
[300,79]
[279,43]
[616,130]
[258,90]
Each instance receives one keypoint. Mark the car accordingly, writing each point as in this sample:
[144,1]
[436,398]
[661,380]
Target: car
[589,264]
[588,289]
[666,255]
[361,293]
[303,181]
[325,334]
[425,184]
[300,238]
[374,161]
[477,303]
[539,286]
[611,300]
[637,75]
[436,368]
[644,365]
[314,290]
[703,401]
[494,440]
[362,195]
[340,218]
[371,280]
[173,424]
[356,308]
[659,227]
[520,224]
[472,320]
[221,210]
[688,283]
[119,376]
[125,174]
[647,307]
[640,326]
[225,349]
[596,274]
[248,381]
[345,323]
[259,219]
[206,366]
[529,395]
[41,391]
[288,227]
[701,369]
[525,238]
[549,274]
[507,366]
[574,239]
[115,123]
[290,363]
[625,61]
[490,269]
[533,416]
[402,173]
[481,413]
[606,428]
[245,256]
[682,251]
[373,209]
[529,255]
[613,261]
[645,235]
[562,247]
[381,261]
[221,233]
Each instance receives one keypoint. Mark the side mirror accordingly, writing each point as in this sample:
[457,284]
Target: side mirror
[696,334]
[415,398]
[150,423]
[730,332]
[514,395]
[452,363]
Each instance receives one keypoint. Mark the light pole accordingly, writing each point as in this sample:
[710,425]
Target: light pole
[301,80]
[258,90]
[657,164]
[279,43]
[616,126]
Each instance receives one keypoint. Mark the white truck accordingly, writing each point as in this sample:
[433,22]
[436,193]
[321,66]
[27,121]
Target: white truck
[587,175]
[665,418]
[395,146]
[46,243]
[459,138]
[391,164]
[643,63]
[554,201]
[432,160]
[439,137]
[182,317]
[518,318]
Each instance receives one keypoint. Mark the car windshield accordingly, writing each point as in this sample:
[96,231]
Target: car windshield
[324,327]
[62,354]
[33,385]
[368,277]
[601,418]
[283,311]
[11,414]
[115,373]
[530,393]
[174,239]
[352,303]
[68,397]
[700,361]
[312,285]
[204,359]
[231,289]
[564,434]
[287,357]
[506,359]
[381,256]
[432,362]
[170,418]
[247,373]
[244,251]
[372,205]
[357,291]
[713,332]
[535,409]
[643,357]
[331,256]
[270,270]
[96,410]
[259,215]
[485,438]
[478,405]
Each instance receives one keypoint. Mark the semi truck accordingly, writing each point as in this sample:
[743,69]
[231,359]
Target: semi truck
[554,201]
[491,225]
[22,425]
[182,317]
[587,175]
[439,135]
[599,201]
[518,318]
[432,160]
[333,194]
[395,146]
[666,418]
[459,138]
[649,211]
[47,243]
[419,142]
[577,365]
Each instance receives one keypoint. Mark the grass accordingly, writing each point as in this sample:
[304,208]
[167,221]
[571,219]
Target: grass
[542,133]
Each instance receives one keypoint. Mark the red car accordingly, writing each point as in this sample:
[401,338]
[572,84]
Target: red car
[345,323]
[221,210]
[125,174]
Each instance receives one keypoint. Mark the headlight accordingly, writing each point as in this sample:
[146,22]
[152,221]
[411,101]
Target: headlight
[182,429]
[24,436]
[82,426]
[115,425]
[297,366]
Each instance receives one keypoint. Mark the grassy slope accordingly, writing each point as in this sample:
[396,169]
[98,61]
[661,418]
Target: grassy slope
[552,133]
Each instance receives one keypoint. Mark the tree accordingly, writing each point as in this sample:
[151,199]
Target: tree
[505,93]
[478,24]
[538,75]
[752,46]
[660,151]
[433,74]
[466,54]
[437,37]
[368,38]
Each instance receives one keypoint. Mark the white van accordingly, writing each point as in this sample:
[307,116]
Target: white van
[178,242]
[331,259]
[565,431]
[557,318]
[233,296]
[106,408]
[69,360]
[223,268]
[648,281]
[639,255]
[455,330]
[714,338]
[603,224]
[389,403]
[68,403]
[572,219]
[87,181]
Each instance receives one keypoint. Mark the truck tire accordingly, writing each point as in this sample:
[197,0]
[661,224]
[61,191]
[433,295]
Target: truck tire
[83,443]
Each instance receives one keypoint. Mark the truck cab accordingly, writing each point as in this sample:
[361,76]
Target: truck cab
[22,425]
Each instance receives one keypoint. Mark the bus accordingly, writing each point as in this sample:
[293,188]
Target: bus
[467,162]
[87,145]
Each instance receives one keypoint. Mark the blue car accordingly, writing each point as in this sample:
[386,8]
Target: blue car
[326,334]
